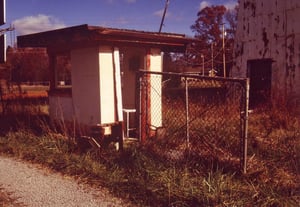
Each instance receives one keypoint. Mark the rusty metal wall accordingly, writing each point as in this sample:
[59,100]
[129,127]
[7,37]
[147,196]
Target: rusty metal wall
[271,30]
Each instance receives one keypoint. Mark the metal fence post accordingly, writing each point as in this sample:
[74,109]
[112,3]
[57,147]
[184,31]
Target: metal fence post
[208,111]
[187,113]
[144,106]
[245,135]
[140,105]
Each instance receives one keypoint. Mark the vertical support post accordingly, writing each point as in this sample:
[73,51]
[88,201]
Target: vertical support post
[118,97]
[202,56]
[144,105]
[52,69]
[140,106]
[245,135]
[212,56]
[2,36]
[2,12]
[117,85]
[187,113]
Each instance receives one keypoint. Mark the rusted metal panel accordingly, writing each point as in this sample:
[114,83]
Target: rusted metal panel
[82,35]
[271,30]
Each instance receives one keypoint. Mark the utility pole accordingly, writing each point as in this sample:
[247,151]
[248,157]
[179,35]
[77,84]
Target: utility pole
[164,14]
[2,31]
[202,56]
[223,47]
[212,56]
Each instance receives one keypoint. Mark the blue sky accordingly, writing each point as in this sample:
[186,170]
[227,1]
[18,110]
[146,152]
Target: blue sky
[30,16]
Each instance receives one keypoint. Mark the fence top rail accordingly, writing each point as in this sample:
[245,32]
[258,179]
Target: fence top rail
[195,76]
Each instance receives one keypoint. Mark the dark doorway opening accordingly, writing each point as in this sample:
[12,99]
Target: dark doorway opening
[260,74]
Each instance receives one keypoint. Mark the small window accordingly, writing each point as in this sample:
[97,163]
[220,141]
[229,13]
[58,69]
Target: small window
[63,71]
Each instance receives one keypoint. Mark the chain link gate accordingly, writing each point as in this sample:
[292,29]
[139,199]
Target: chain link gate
[207,116]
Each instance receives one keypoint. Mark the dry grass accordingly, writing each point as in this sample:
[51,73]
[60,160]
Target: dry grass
[149,176]
[7,200]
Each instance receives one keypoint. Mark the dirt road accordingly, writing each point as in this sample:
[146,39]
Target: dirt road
[34,186]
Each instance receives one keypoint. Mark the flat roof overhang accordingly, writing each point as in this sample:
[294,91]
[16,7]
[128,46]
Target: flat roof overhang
[84,36]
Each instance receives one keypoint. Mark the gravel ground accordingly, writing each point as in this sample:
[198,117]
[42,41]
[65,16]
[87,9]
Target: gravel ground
[32,186]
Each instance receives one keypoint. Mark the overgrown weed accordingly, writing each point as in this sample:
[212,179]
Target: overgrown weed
[148,176]
[7,199]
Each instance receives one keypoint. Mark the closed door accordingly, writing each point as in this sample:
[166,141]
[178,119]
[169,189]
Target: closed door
[260,74]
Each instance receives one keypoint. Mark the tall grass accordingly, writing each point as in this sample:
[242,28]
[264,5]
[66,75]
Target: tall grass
[148,176]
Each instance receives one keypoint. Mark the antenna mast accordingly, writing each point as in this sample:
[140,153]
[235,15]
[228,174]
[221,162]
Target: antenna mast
[164,14]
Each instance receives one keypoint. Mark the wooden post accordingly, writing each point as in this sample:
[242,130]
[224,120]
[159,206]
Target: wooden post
[52,66]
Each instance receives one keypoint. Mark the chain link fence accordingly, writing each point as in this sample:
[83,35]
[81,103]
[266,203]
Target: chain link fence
[204,116]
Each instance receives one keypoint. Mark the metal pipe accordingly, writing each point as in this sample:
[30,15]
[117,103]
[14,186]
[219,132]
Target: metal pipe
[140,106]
[239,80]
[187,113]
[246,117]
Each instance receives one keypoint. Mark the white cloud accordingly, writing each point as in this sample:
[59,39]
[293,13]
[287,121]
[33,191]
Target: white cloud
[34,24]
[204,4]
[230,5]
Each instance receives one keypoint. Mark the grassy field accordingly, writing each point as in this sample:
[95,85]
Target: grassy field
[142,174]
